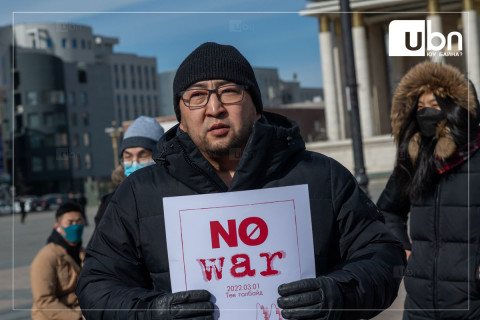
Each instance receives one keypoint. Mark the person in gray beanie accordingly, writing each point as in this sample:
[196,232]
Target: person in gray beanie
[225,142]
[135,152]
[138,144]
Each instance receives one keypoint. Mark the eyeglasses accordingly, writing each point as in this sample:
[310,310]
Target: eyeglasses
[198,98]
[142,160]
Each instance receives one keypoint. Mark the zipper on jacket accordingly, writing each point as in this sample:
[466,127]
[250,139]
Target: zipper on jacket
[200,170]
[435,230]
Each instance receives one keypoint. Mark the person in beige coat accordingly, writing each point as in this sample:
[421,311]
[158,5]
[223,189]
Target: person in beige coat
[55,270]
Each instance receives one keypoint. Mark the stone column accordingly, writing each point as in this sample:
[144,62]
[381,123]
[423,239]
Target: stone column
[471,47]
[363,74]
[340,81]
[436,26]
[329,82]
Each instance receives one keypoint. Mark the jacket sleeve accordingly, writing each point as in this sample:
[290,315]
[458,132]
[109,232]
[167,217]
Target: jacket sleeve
[44,281]
[395,207]
[373,259]
[114,282]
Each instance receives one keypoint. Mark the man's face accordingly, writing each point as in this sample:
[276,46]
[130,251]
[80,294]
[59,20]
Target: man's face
[67,219]
[137,154]
[217,128]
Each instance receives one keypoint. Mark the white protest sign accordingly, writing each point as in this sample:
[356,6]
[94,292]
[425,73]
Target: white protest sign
[240,246]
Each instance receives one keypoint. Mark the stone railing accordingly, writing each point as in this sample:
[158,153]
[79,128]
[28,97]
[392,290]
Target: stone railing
[378,152]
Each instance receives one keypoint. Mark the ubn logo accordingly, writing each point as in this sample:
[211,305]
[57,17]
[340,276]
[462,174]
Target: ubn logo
[415,38]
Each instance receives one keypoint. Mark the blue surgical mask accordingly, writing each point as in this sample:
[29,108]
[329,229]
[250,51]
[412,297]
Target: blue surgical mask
[130,167]
[73,233]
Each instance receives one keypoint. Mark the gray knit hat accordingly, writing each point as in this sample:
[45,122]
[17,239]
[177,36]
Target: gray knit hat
[143,132]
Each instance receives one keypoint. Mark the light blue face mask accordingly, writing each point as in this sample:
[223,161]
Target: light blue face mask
[74,232]
[130,167]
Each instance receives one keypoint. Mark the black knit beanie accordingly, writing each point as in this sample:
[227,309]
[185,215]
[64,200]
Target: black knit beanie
[215,61]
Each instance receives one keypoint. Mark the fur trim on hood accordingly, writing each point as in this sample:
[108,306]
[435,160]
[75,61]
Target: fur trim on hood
[442,80]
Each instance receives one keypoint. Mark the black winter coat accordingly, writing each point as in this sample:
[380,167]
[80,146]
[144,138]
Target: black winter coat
[127,262]
[442,271]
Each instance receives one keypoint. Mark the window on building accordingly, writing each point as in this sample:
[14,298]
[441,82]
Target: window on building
[140,85]
[74,43]
[82,75]
[50,163]
[127,113]
[37,164]
[149,101]
[57,97]
[64,42]
[154,84]
[49,43]
[82,44]
[17,99]
[115,69]
[35,141]
[141,101]
[142,111]
[149,111]
[133,83]
[86,139]
[147,85]
[32,98]
[117,83]
[85,118]
[71,98]
[61,139]
[124,84]
[74,119]
[75,140]
[139,71]
[119,111]
[135,112]
[155,101]
[63,164]
[119,100]
[88,161]
[123,70]
[33,120]
[134,100]
[76,160]
[83,98]
[152,69]
[125,101]
[132,71]
[145,71]
[54,119]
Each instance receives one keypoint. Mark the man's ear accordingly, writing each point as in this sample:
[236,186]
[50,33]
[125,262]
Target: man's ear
[181,126]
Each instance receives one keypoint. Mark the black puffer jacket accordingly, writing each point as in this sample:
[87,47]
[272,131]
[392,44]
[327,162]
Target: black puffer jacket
[442,271]
[441,278]
[127,262]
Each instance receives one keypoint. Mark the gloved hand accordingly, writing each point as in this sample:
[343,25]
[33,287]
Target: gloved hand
[193,304]
[307,298]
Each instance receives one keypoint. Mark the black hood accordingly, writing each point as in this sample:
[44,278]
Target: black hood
[275,139]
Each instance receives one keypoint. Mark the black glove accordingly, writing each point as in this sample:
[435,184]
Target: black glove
[307,298]
[193,304]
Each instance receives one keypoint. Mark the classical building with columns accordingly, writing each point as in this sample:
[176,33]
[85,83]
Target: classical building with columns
[378,71]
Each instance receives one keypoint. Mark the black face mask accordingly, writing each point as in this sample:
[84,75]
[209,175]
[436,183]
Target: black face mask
[427,119]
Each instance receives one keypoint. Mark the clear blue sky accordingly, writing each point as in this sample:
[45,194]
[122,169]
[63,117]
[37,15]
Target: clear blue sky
[286,41]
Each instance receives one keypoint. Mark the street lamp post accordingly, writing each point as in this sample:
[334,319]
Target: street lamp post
[352,97]
[114,132]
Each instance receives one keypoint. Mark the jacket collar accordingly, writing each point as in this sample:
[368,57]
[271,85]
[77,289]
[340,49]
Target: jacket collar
[274,141]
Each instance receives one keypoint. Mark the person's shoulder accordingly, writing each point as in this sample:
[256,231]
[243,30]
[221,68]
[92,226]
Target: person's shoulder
[320,159]
[50,252]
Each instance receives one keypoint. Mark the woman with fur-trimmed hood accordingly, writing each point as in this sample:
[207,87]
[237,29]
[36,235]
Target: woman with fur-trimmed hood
[436,182]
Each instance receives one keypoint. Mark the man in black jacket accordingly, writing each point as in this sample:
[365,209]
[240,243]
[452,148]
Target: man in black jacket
[225,142]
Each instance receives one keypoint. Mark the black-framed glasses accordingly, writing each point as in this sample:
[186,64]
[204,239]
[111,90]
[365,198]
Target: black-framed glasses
[198,98]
